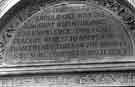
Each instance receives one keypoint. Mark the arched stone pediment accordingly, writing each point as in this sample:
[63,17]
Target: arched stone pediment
[67,35]
[70,32]
[67,43]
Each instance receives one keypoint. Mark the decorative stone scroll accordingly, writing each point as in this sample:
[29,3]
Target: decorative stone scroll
[70,33]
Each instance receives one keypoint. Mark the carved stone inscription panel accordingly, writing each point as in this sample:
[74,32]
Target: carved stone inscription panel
[71,80]
[69,33]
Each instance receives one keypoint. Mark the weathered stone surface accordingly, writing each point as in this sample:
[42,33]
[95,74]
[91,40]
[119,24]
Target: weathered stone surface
[80,36]
[72,42]
[132,2]
[71,80]
[69,32]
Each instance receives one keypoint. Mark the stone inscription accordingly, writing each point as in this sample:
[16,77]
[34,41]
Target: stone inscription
[69,32]
[71,80]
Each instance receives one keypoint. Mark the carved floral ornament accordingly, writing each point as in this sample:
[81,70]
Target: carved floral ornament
[8,31]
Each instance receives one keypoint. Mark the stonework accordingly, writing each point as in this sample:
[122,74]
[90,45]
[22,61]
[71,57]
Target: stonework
[67,43]
[69,33]
[91,79]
